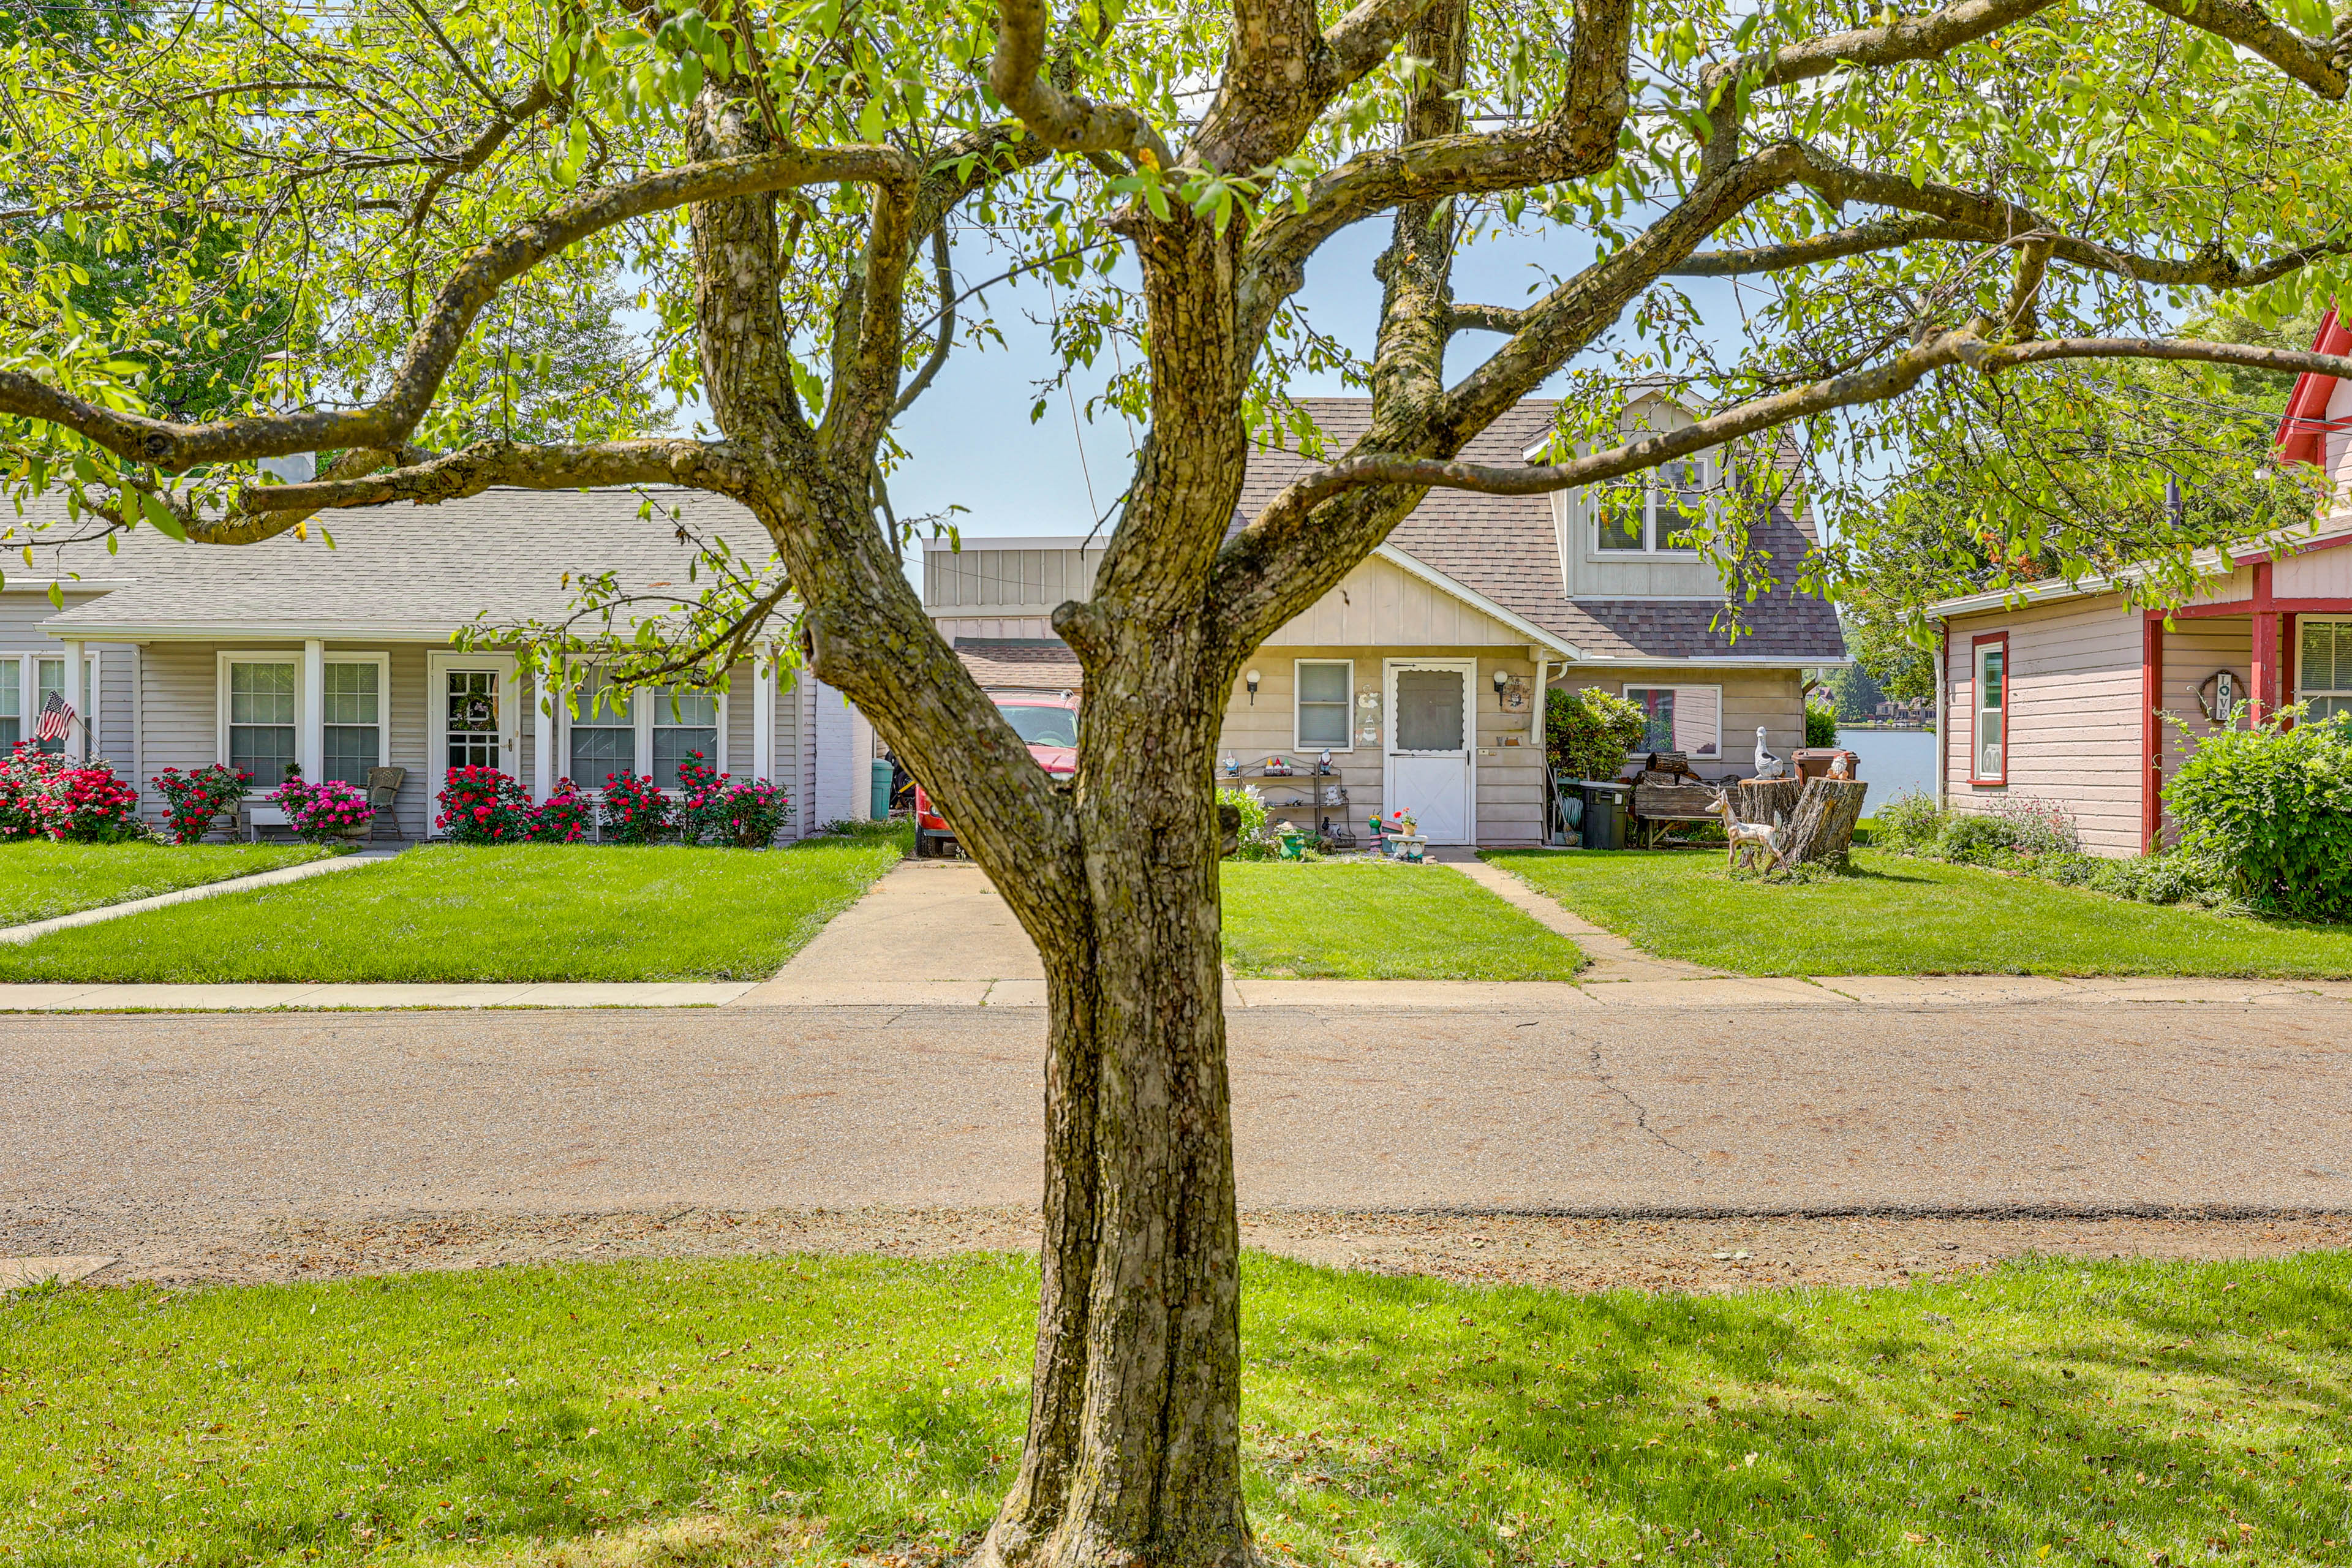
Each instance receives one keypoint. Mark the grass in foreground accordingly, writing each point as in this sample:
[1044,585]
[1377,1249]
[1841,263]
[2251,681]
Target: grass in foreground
[1897,915]
[2049,1412]
[1366,921]
[41,879]
[445,913]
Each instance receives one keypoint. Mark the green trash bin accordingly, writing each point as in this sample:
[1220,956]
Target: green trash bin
[1606,807]
[880,807]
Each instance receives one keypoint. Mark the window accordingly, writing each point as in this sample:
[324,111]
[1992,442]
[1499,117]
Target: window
[2323,667]
[1326,700]
[684,721]
[1685,718]
[11,702]
[604,732]
[261,736]
[354,721]
[1990,759]
[1644,512]
[1041,726]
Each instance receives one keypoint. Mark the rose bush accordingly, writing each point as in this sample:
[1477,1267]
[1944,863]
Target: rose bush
[564,817]
[322,813]
[192,799]
[482,805]
[42,796]
[635,812]
[717,808]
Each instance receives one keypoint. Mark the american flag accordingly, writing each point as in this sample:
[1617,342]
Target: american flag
[57,718]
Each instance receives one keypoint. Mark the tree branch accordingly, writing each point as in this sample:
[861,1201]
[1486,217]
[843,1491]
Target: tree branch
[1880,233]
[1876,384]
[1486,318]
[697,465]
[386,423]
[494,134]
[1063,122]
[943,266]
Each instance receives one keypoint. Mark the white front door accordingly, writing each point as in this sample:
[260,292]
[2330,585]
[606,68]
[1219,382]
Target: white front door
[471,712]
[1432,763]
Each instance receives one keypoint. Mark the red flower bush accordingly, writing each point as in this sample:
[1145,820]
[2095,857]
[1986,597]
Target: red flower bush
[563,817]
[191,800]
[483,806]
[717,808]
[44,796]
[635,811]
[319,813]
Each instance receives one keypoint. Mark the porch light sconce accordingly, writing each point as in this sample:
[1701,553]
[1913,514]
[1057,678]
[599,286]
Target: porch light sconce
[1502,684]
[1250,681]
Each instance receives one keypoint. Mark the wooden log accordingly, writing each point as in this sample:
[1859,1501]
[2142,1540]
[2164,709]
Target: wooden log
[1763,800]
[1820,830]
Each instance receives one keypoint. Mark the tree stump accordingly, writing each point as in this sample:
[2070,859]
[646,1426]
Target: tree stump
[1820,830]
[1763,800]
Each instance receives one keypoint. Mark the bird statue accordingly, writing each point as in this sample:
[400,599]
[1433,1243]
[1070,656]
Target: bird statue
[1768,766]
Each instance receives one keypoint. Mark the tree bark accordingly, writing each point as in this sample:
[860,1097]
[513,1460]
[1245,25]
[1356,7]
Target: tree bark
[1820,830]
[1765,800]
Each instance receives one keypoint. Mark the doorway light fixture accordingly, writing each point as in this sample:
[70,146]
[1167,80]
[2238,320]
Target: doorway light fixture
[1250,681]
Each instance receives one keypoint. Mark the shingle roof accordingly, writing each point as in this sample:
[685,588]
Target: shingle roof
[1504,548]
[503,555]
[1022,664]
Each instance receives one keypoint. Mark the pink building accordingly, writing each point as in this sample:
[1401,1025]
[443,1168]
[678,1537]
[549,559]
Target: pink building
[2071,695]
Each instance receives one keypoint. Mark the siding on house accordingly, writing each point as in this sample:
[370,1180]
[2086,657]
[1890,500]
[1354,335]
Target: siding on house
[1510,800]
[1382,605]
[2073,714]
[988,576]
[2314,574]
[954,627]
[108,709]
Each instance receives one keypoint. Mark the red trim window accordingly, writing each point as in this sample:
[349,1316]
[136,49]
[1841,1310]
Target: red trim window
[1988,709]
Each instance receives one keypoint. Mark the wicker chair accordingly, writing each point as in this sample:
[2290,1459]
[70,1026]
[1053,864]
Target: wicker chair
[383,790]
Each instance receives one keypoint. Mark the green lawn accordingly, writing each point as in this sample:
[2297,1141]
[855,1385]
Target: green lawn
[1366,921]
[41,879]
[2051,1411]
[1897,915]
[532,912]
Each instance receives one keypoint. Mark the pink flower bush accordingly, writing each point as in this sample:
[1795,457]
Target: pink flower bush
[323,811]
[191,800]
[45,796]
[563,817]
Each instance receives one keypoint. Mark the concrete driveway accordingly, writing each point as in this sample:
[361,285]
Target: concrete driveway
[145,1134]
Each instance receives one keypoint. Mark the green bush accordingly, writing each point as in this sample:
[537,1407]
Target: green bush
[1587,733]
[1968,840]
[1821,725]
[2176,878]
[1253,843]
[2271,810]
[1910,822]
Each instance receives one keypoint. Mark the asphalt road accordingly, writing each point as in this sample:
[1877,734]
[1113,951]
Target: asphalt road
[115,1127]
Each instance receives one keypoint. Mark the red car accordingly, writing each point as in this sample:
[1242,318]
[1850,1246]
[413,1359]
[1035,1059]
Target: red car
[1050,725]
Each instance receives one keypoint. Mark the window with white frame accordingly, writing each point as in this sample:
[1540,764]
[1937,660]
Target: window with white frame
[2323,667]
[11,702]
[604,732]
[29,680]
[1991,703]
[262,716]
[1643,513]
[353,740]
[683,722]
[1685,718]
[1325,700]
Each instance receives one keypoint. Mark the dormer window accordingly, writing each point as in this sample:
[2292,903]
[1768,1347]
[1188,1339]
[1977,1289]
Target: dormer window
[1642,512]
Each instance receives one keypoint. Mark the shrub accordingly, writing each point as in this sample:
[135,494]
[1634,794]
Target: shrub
[563,817]
[2042,826]
[1588,733]
[2173,878]
[717,808]
[319,813]
[1821,725]
[192,799]
[1968,840]
[44,796]
[482,805]
[635,811]
[1911,822]
[2271,810]
[1253,843]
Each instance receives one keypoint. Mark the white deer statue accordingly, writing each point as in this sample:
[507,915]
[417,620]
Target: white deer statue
[1748,840]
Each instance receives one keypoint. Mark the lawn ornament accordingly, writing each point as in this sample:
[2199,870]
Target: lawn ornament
[1842,766]
[1748,840]
[1768,766]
